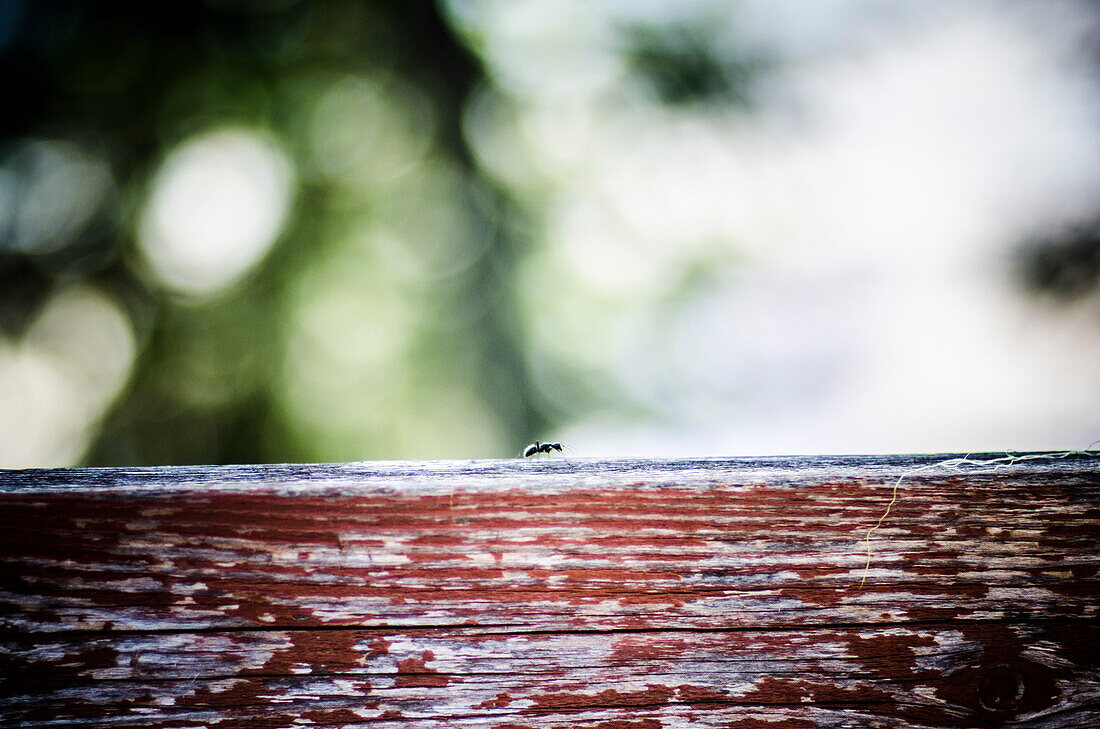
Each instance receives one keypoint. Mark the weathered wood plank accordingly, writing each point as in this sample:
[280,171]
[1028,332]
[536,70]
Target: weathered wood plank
[719,592]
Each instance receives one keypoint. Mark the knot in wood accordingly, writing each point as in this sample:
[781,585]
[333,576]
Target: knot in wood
[1001,688]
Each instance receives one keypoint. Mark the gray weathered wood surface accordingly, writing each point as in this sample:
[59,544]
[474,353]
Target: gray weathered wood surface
[554,592]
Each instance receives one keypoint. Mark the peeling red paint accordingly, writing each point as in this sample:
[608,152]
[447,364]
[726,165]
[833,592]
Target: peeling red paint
[814,595]
[502,700]
[414,672]
[20,675]
[332,716]
[321,651]
[560,601]
[754,723]
[379,646]
[653,695]
[641,647]
[630,724]
[700,694]
[890,655]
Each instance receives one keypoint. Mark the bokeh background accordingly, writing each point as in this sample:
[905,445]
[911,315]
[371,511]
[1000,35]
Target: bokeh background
[270,231]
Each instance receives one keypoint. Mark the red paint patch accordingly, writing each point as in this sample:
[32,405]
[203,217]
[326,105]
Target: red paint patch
[700,694]
[414,673]
[890,655]
[499,702]
[378,647]
[322,651]
[827,596]
[334,716]
[448,540]
[654,695]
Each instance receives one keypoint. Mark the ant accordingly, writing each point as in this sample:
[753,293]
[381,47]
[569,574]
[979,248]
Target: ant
[537,447]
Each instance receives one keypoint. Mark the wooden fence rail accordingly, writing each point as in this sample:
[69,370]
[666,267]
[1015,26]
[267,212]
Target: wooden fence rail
[554,592]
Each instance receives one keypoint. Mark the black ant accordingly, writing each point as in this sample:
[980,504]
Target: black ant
[537,447]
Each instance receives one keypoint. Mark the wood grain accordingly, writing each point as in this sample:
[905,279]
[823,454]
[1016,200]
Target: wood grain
[559,592]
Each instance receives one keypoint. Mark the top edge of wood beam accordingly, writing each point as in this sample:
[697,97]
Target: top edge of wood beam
[554,472]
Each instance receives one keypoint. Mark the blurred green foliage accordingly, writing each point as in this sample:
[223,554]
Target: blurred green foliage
[380,322]
[326,230]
